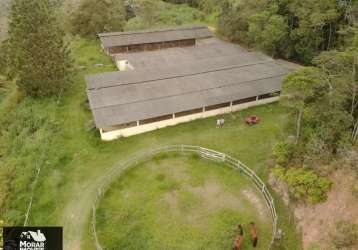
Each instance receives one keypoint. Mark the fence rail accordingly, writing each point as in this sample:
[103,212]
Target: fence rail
[202,152]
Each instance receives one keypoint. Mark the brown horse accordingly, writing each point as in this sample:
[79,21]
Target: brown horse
[253,231]
[239,239]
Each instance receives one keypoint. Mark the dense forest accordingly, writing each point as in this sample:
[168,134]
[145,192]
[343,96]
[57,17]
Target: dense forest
[322,96]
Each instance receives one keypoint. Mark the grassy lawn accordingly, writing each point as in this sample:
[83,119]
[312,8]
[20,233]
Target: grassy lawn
[73,159]
[180,202]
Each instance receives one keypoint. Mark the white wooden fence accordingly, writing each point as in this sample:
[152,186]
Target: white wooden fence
[202,152]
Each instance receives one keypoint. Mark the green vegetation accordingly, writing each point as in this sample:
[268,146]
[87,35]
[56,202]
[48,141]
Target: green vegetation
[297,29]
[324,103]
[30,127]
[268,31]
[304,184]
[36,55]
[158,204]
[283,152]
[160,14]
[93,17]
[325,106]
[346,235]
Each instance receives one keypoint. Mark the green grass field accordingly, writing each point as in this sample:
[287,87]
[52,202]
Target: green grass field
[73,158]
[181,202]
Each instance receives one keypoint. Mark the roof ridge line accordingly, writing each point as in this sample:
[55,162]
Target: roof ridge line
[186,75]
[189,92]
[120,33]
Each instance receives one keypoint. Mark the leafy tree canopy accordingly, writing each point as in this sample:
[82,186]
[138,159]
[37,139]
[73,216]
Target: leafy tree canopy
[37,57]
[97,16]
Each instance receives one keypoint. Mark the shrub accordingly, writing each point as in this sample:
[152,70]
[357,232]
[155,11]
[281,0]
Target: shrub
[305,184]
[283,152]
[97,16]
[346,235]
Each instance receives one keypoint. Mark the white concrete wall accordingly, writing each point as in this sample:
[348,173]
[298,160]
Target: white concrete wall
[126,132]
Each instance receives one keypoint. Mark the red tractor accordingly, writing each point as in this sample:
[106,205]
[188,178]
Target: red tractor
[252,120]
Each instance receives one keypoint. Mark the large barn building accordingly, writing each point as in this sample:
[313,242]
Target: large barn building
[135,41]
[164,87]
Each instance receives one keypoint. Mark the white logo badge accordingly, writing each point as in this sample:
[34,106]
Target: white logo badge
[32,240]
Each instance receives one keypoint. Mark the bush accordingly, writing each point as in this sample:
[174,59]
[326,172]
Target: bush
[305,184]
[23,147]
[160,14]
[97,16]
[346,235]
[283,152]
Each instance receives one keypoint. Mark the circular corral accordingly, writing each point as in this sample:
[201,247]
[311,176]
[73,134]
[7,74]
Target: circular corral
[211,199]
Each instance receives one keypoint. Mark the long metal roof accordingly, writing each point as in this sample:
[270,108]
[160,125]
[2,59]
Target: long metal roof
[115,39]
[225,74]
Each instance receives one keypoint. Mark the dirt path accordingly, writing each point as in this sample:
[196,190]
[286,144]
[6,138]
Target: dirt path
[76,213]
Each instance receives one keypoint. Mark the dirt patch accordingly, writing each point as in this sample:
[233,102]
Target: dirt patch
[213,197]
[171,199]
[256,201]
[317,222]
[176,172]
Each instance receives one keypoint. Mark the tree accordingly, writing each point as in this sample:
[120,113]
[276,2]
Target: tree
[234,17]
[97,16]
[341,69]
[313,26]
[298,29]
[269,31]
[299,89]
[38,58]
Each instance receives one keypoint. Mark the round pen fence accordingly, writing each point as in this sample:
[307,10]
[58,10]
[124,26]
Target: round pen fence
[200,151]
